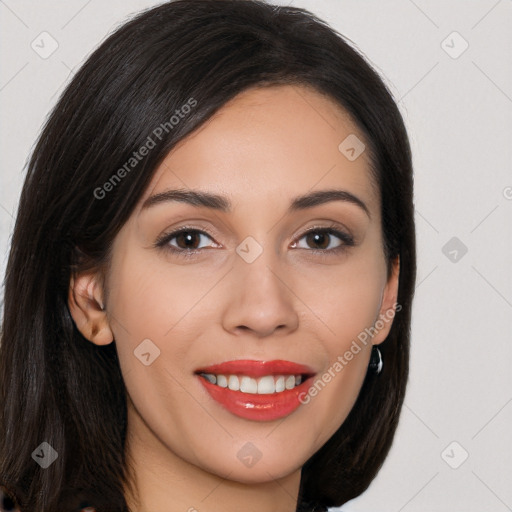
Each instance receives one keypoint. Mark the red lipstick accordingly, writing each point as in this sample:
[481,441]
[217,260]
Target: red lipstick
[253,406]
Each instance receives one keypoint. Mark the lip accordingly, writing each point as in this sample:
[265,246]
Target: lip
[256,369]
[253,406]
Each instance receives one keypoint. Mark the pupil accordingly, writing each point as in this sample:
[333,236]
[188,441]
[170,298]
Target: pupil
[188,236]
[318,238]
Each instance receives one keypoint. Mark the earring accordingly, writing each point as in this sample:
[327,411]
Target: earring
[375,360]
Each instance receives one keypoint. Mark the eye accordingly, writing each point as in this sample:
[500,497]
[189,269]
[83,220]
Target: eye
[325,240]
[184,240]
[187,241]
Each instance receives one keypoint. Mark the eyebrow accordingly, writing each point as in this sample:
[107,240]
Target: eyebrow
[223,204]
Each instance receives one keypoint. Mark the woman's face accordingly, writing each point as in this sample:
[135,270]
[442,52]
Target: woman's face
[247,282]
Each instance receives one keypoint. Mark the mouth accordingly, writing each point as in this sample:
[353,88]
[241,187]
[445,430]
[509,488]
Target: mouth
[257,390]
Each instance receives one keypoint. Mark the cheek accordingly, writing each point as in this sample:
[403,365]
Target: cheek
[141,311]
[151,309]
[157,312]
[149,299]
[346,298]
[347,303]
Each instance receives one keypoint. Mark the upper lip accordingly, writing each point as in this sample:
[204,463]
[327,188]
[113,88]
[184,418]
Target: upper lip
[255,368]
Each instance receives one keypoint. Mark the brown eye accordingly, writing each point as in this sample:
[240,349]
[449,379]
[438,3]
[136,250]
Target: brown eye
[324,239]
[187,239]
[321,240]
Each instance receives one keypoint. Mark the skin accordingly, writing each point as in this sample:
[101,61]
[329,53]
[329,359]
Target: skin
[265,147]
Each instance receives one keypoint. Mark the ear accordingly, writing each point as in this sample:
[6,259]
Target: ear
[389,306]
[85,301]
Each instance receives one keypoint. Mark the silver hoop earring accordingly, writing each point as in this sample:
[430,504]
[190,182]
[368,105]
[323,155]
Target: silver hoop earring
[375,360]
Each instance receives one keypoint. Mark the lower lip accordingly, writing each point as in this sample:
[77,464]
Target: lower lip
[258,407]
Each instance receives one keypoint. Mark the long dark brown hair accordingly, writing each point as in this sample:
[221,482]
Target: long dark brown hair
[57,387]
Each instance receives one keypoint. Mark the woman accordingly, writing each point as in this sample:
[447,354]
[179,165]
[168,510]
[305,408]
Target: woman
[208,294]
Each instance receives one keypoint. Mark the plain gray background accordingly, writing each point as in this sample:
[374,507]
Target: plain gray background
[457,105]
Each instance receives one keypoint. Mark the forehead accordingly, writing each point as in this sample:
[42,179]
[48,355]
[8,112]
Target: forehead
[268,143]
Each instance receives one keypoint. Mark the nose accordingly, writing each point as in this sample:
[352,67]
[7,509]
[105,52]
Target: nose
[261,300]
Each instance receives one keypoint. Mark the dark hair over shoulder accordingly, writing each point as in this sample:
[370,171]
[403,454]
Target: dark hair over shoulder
[58,388]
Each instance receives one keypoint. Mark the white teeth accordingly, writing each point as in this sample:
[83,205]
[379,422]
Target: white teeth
[233,383]
[266,385]
[248,385]
[222,381]
[210,378]
[290,382]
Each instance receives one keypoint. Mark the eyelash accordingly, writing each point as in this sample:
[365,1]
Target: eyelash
[346,241]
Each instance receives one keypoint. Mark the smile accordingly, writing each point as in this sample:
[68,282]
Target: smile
[257,390]
[266,385]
